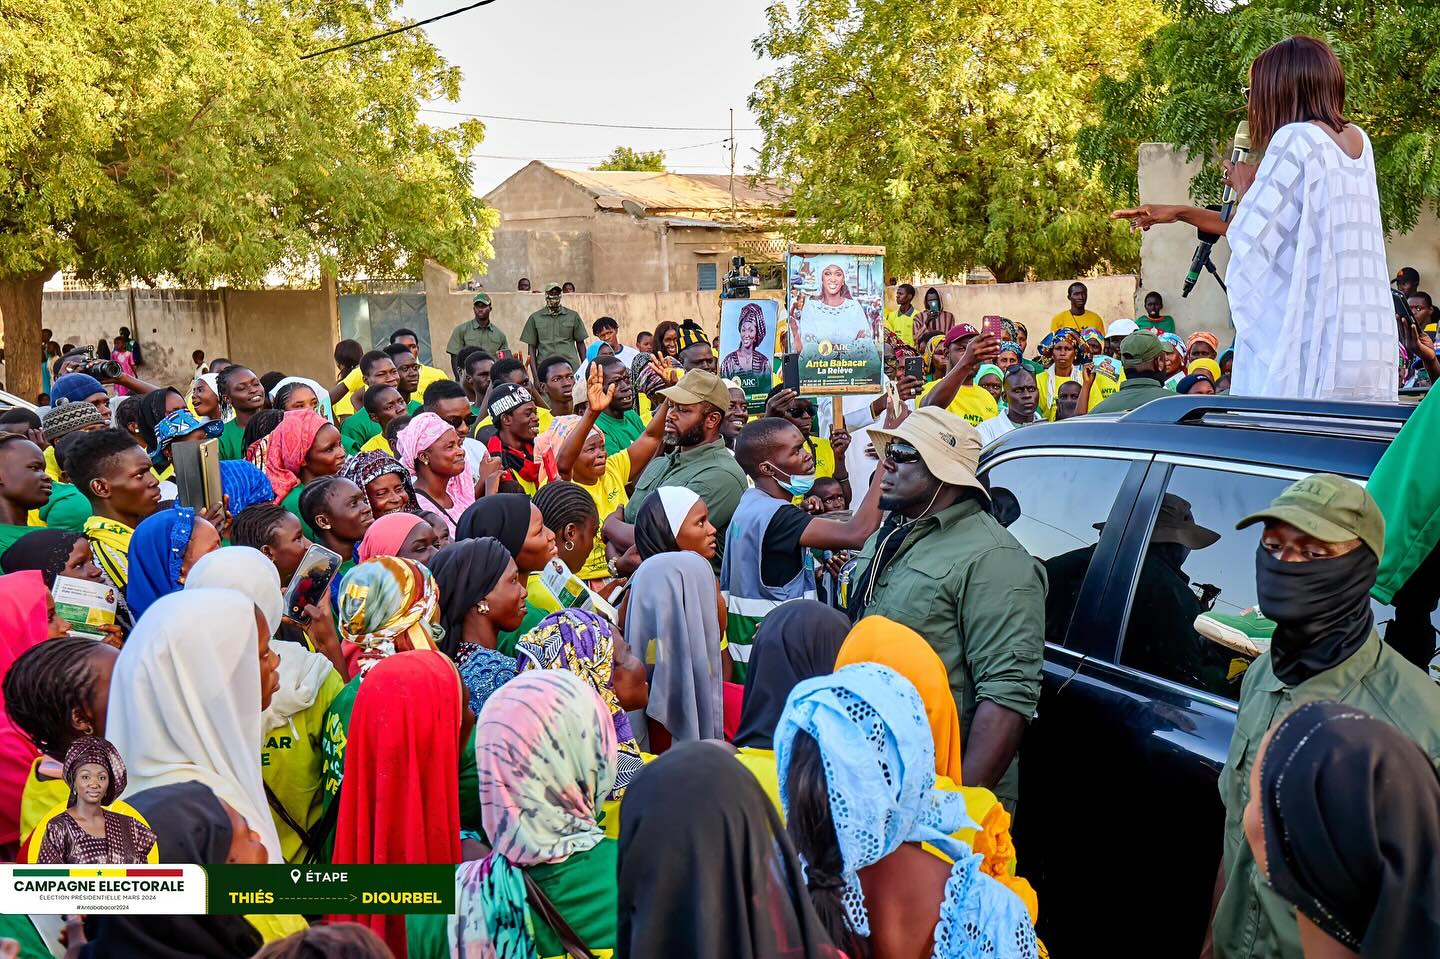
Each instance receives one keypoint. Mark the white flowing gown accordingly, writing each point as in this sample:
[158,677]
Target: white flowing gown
[1308,279]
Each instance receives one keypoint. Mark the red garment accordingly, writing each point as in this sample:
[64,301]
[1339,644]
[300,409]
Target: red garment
[24,622]
[519,464]
[402,762]
[287,447]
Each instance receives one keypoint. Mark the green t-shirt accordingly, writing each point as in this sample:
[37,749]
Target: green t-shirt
[582,889]
[505,642]
[291,505]
[232,441]
[1166,324]
[291,763]
[10,535]
[469,785]
[619,433]
[67,509]
[358,429]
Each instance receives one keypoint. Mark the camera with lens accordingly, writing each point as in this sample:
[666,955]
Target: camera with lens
[102,369]
[739,281]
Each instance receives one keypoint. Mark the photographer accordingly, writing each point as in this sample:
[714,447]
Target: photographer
[106,372]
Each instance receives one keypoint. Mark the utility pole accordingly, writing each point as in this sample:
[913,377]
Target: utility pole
[732,164]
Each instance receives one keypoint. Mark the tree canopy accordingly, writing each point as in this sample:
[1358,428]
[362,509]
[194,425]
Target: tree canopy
[624,158]
[1186,88]
[190,141]
[944,129]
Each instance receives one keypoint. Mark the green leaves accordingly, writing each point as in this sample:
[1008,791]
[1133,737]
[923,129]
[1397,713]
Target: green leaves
[190,141]
[946,129]
[1185,89]
[624,158]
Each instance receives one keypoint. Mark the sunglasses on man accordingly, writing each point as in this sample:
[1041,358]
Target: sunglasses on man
[901,453]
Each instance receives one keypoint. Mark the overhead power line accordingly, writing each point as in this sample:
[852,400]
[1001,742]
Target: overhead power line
[391,33]
[582,123]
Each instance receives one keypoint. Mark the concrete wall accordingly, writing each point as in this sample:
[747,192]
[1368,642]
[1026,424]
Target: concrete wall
[293,331]
[290,330]
[1165,251]
[170,325]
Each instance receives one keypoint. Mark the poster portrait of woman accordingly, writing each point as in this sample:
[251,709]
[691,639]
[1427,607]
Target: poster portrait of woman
[87,832]
[750,356]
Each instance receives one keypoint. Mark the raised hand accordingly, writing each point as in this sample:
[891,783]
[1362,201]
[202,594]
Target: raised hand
[596,395]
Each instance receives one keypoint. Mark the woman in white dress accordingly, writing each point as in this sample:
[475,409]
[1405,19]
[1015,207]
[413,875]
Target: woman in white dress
[1308,282]
[835,315]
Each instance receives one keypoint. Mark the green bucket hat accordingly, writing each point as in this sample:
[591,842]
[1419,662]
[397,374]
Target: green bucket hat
[1328,507]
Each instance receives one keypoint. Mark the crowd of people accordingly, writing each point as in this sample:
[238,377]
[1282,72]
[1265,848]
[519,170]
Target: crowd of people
[658,673]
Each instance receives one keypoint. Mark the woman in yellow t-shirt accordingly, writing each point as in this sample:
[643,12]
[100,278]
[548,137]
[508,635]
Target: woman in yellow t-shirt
[574,449]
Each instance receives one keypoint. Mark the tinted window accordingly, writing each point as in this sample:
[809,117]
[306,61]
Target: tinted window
[1054,506]
[1197,562]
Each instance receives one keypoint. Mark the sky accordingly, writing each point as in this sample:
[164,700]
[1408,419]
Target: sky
[655,63]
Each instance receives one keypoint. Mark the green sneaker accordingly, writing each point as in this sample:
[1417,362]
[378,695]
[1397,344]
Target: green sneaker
[1247,632]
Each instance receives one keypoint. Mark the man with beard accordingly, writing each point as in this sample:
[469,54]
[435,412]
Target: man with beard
[619,421]
[943,566]
[699,460]
[1316,564]
[1142,355]
[1022,399]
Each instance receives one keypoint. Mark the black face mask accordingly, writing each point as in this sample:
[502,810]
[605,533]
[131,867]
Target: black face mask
[1321,609]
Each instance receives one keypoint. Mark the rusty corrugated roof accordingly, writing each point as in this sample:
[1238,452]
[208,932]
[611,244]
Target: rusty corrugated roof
[677,192]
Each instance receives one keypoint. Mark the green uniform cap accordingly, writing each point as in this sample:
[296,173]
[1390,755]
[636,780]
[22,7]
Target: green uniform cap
[1328,507]
[1141,347]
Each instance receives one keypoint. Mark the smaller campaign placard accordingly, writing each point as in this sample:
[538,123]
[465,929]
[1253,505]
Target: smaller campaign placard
[174,890]
[349,890]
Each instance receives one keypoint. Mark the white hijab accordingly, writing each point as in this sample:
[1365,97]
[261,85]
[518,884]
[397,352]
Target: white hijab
[185,702]
[322,395]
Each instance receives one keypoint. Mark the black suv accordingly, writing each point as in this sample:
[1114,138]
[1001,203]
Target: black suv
[1120,821]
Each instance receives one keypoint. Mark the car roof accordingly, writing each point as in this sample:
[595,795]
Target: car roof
[1305,435]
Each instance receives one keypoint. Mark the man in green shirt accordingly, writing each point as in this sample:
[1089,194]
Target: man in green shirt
[379,370]
[1142,356]
[619,423]
[24,485]
[554,330]
[1319,553]
[700,461]
[480,333]
[943,566]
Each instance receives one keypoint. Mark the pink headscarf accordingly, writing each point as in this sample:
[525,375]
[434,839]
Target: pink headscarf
[548,443]
[387,534]
[289,444]
[24,622]
[421,434]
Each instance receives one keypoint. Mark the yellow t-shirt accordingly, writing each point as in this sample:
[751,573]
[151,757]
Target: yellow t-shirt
[1089,318]
[377,442]
[973,403]
[902,326]
[355,379]
[609,495]
[291,765]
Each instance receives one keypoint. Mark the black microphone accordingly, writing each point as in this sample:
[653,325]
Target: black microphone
[1239,153]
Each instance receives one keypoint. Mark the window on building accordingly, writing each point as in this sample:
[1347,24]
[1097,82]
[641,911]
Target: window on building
[1055,506]
[705,275]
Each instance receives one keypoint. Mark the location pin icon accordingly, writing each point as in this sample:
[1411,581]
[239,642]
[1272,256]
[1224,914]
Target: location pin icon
[294,875]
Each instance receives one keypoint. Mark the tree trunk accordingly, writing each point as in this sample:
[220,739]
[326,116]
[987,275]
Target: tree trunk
[21,298]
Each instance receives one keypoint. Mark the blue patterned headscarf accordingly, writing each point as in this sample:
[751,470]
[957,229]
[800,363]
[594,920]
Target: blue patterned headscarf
[245,484]
[157,550]
[879,759]
[1010,346]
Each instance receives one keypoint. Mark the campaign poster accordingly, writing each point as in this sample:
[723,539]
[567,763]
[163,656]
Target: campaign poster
[835,301]
[748,332]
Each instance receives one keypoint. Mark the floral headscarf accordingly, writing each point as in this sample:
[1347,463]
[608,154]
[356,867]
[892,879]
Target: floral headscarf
[584,644]
[1093,339]
[389,605]
[1008,331]
[1179,345]
[286,448]
[369,465]
[1011,346]
[546,760]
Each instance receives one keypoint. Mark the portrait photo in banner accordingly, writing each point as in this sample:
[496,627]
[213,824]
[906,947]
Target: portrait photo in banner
[835,300]
[748,333]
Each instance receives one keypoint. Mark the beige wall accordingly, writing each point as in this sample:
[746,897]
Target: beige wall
[289,330]
[1165,251]
[293,331]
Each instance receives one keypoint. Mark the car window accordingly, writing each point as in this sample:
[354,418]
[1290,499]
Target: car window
[1055,506]
[1197,563]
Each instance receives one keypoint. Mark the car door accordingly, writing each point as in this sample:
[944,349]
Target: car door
[1069,508]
